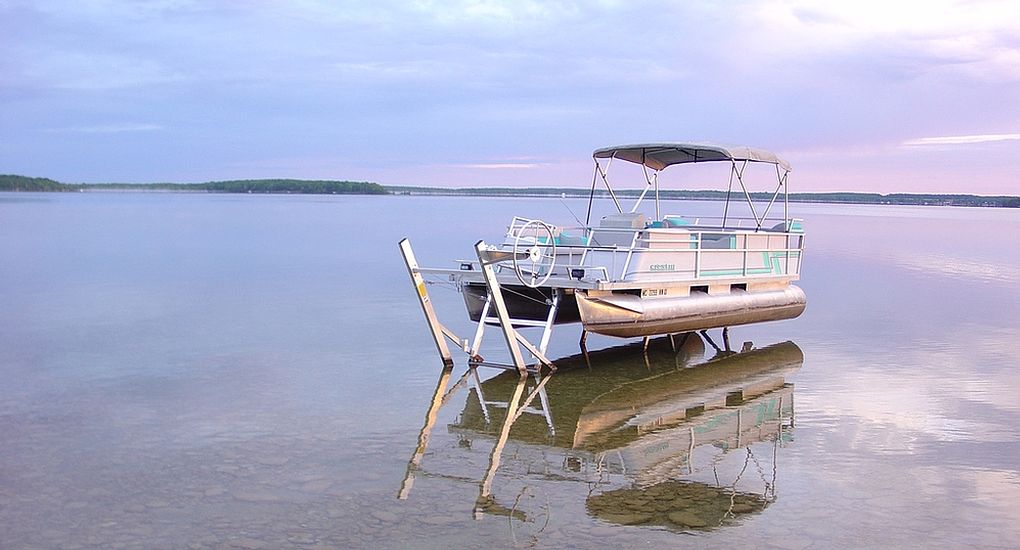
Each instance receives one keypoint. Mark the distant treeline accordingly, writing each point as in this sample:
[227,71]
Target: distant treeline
[671,194]
[22,183]
[320,187]
[329,187]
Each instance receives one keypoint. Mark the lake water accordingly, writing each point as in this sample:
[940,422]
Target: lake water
[224,371]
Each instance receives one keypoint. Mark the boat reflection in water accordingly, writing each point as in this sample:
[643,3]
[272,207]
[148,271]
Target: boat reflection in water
[652,431]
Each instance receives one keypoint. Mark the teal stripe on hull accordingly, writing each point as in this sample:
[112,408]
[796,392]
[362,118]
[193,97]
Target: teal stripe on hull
[772,260]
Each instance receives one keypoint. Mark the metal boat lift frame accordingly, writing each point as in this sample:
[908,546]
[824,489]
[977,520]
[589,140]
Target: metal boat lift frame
[487,258]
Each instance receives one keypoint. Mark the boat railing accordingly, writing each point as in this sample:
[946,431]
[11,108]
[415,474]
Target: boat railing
[696,251]
[527,227]
[521,227]
[568,269]
[732,223]
[695,254]
[771,262]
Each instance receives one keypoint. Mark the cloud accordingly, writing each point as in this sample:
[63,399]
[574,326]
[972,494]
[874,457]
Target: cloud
[961,140]
[91,71]
[935,37]
[494,85]
[105,129]
[503,166]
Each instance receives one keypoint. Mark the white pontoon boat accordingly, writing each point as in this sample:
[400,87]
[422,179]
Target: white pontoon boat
[630,274]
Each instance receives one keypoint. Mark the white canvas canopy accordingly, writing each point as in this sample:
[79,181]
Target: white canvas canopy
[660,155]
[657,156]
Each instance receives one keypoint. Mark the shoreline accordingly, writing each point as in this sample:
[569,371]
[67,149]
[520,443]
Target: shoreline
[15,183]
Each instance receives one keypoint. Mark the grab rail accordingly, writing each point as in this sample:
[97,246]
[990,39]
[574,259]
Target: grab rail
[687,245]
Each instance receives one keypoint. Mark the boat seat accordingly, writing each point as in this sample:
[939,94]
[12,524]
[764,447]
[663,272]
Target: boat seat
[623,220]
[795,227]
[618,229]
[570,239]
[718,241]
[675,221]
[563,238]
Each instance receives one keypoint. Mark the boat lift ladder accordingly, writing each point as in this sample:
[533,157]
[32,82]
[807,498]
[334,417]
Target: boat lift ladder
[488,257]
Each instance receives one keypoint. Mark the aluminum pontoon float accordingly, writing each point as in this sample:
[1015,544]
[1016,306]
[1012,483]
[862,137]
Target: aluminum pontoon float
[629,275]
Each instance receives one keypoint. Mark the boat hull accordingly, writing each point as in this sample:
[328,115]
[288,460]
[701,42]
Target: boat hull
[627,316]
[522,303]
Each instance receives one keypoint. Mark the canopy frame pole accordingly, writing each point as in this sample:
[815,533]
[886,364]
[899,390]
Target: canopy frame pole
[605,179]
[787,222]
[786,207]
[747,195]
[779,187]
[591,197]
[648,185]
[729,189]
[655,178]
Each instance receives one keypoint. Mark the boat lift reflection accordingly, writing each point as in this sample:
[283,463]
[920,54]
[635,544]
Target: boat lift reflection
[636,414]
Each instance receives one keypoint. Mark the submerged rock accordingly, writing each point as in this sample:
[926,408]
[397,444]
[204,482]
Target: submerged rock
[686,519]
[674,504]
[627,518]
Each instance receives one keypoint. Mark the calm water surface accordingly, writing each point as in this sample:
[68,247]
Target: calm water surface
[218,371]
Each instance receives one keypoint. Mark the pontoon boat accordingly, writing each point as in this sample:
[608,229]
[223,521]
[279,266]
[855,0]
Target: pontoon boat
[629,273]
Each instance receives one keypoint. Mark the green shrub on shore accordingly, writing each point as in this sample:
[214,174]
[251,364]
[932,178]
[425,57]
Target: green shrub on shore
[321,187]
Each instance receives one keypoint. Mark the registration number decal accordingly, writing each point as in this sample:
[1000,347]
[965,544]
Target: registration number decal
[652,292]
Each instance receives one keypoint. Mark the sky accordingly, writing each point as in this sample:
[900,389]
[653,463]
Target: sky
[871,96]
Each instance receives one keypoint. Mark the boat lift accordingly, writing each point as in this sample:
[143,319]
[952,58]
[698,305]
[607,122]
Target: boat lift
[487,258]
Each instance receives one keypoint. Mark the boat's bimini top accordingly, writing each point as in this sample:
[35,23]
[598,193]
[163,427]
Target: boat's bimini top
[660,155]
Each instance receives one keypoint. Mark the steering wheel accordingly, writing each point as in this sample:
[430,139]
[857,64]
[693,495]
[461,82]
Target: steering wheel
[532,258]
